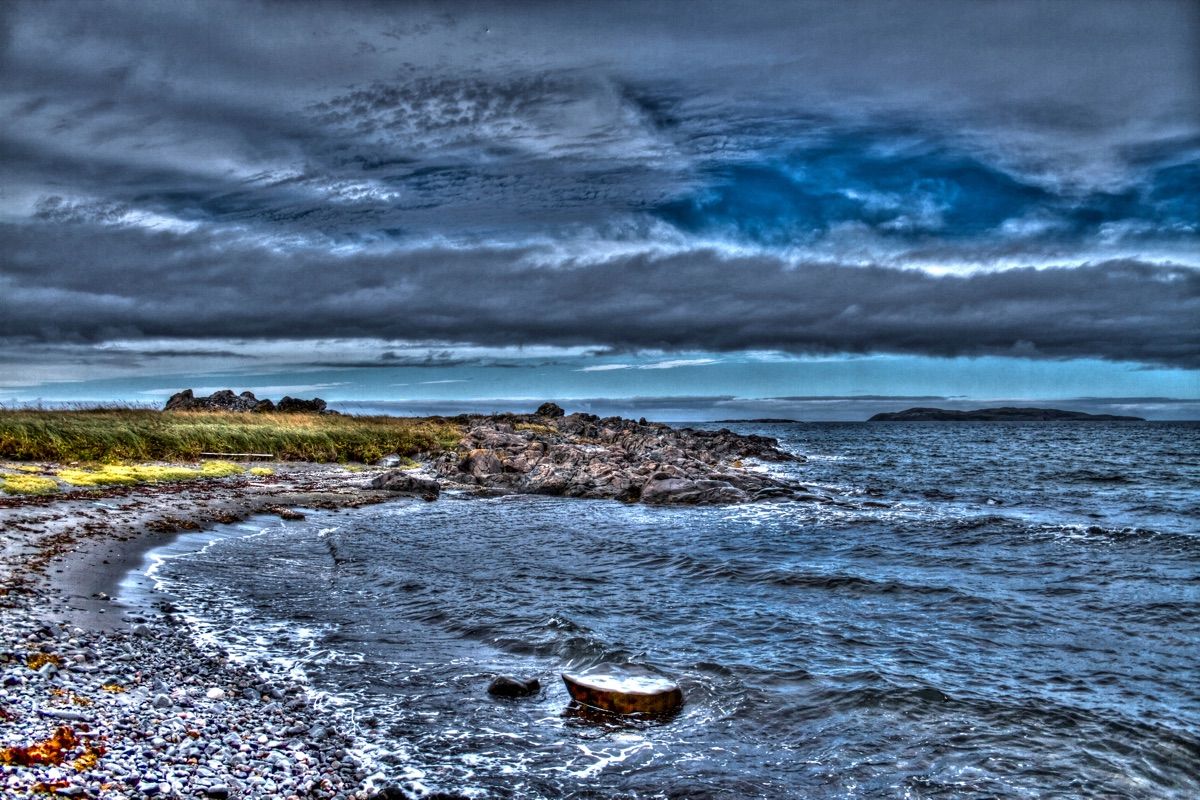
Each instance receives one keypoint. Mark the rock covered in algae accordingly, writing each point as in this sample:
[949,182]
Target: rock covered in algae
[621,689]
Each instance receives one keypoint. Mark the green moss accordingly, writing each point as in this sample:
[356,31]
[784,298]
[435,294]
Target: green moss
[261,472]
[27,484]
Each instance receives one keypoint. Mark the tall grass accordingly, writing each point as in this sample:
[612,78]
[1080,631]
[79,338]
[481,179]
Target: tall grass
[113,435]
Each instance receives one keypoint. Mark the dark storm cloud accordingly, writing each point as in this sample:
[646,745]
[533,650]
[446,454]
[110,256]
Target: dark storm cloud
[362,122]
[568,173]
[85,282]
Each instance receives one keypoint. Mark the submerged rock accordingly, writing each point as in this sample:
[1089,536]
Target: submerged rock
[505,686]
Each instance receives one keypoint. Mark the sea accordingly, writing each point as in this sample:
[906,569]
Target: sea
[984,610]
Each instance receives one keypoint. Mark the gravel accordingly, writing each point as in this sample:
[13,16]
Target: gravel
[164,718]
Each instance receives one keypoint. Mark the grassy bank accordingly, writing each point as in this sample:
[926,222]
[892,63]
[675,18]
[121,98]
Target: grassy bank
[111,436]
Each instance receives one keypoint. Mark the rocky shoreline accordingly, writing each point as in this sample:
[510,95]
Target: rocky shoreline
[101,701]
[611,458]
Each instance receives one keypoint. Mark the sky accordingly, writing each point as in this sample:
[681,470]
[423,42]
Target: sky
[685,210]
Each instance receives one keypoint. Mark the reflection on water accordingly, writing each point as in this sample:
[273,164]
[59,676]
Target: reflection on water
[997,610]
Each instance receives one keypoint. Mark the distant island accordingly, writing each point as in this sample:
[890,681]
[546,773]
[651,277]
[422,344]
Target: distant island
[1006,414]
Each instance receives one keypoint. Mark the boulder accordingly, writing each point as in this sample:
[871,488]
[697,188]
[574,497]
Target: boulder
[226,400]
[624,689]
[549,410]
[406,482]
[505,686]
[180,401]
[481,463]
[294,405]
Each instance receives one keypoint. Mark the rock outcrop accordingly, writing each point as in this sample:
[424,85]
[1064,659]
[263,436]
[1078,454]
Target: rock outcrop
[582,455]
[226,400]
[294,405]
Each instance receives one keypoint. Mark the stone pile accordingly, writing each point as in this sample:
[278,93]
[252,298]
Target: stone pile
[582,455]
[226,400]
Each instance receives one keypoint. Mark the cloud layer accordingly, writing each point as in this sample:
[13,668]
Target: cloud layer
[931,177]
[162,284]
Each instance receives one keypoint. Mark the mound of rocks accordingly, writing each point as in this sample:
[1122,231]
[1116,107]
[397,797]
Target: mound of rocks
[226,400]
[582,455]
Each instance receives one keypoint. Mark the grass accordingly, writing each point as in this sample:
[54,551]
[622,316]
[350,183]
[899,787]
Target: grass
[27,484]
[112,436]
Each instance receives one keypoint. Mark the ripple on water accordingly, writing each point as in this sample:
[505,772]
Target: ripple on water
[937,646]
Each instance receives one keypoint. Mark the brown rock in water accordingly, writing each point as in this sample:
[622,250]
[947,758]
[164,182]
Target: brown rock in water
[624,690]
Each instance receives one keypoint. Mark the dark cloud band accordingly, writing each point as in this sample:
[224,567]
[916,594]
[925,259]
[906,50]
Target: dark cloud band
[90,283]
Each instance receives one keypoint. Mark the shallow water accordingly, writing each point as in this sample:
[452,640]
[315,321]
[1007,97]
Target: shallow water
[993,609]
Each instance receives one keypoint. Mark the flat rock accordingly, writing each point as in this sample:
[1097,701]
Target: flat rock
[624,689]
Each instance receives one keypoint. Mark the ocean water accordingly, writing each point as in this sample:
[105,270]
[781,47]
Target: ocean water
[988,610]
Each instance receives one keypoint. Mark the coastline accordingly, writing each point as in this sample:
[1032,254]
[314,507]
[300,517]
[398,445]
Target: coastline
[99,700]
[148,710]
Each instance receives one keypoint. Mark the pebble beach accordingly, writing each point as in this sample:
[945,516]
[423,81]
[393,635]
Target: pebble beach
[97,700]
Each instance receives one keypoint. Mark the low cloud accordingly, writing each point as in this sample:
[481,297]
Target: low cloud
[89,283]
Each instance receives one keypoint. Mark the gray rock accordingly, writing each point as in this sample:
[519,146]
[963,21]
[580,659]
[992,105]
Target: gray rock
[550,410]
[582,455]
[505,686]
[407,482]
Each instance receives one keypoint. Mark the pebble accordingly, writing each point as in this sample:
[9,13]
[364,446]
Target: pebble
[170,729]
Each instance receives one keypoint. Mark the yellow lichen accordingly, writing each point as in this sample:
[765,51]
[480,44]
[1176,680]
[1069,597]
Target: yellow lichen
[131,474]
[261,472]
[27,484]
[534,427]
[114,688]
